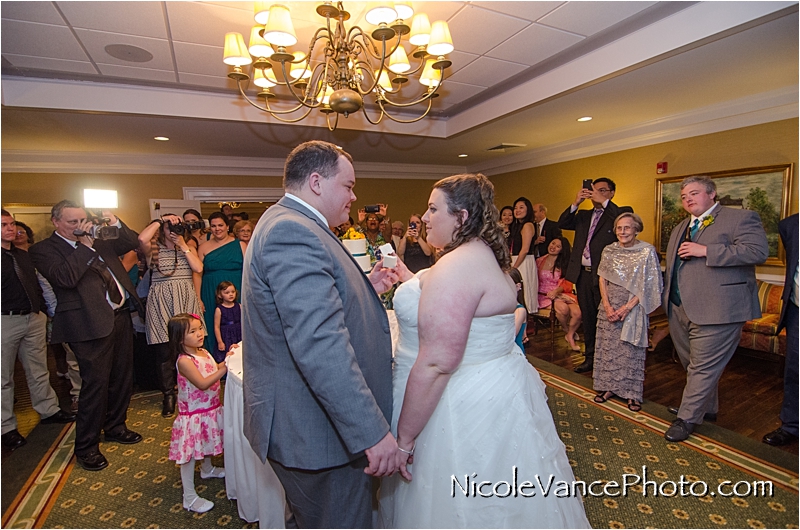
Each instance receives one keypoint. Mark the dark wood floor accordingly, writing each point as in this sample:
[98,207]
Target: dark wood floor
[750,391]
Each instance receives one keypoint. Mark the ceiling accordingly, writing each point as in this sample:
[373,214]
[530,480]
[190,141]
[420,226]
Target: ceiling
[522,73]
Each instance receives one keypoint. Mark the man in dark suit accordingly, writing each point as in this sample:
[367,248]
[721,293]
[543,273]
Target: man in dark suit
[787,432]
[709,293]
[545,230]
[594,231]
[93,294]
[317,369]
[24,324]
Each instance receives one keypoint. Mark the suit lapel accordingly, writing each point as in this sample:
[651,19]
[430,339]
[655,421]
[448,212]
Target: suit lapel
[672,253]
[702,228]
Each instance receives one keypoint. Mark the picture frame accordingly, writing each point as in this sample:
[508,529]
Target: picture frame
[766,190]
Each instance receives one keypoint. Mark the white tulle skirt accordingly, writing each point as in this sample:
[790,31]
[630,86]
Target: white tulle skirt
[492,418]
[530,282]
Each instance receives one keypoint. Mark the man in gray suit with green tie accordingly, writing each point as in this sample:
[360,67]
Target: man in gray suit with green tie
[317,351]
[709,293]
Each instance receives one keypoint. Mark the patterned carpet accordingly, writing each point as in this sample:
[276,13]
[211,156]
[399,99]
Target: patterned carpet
[141,488]
[606,441]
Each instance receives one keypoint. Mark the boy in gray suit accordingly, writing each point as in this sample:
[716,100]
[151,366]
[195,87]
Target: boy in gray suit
[317,362]
[709,293]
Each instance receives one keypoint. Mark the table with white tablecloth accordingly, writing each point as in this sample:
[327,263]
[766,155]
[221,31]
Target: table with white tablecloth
[253,484]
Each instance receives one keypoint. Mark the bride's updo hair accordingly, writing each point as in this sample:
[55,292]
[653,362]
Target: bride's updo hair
[475,194]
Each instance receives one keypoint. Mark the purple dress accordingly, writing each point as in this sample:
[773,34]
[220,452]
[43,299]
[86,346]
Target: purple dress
[230,325]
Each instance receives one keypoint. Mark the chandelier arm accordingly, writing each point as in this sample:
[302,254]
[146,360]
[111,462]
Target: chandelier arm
[368,41]
[294,94]
[328,121]
[308,109]
[364,110]
[428,96]
[267,108]
[381,69]
[398,120]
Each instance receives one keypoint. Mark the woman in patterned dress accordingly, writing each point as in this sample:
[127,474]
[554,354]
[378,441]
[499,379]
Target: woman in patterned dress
[630,287]
[172,261]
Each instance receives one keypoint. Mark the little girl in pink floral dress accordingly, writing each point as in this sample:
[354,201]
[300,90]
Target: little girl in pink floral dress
[197,430]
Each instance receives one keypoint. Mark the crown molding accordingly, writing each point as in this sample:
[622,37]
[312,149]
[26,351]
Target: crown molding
[23,161]
[767,107]
[762,108]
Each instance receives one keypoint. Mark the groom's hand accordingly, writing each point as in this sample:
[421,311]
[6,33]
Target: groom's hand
[382,457]
[382,279]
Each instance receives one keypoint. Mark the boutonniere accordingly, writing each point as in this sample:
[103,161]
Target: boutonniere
[707,221]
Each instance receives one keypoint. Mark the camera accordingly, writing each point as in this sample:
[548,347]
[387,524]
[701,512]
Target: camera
[99,230]
[372,208]
[412,225]
[182,228]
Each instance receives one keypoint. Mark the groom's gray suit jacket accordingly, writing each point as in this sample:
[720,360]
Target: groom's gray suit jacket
[317,350]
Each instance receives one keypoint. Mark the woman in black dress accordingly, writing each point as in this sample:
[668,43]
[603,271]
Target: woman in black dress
[414,249]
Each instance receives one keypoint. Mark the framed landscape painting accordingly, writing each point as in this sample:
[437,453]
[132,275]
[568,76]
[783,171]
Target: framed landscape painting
[765,190]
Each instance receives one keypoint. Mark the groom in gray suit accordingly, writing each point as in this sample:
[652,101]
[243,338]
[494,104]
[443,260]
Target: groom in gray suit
[709,293]
[317,362]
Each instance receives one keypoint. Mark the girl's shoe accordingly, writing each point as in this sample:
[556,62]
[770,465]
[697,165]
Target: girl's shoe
[216,472]
[198,504]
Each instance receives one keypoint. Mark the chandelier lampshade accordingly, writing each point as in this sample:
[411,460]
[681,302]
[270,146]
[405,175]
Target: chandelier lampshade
[258,46]
[235,52]
[440,41]
[279,30]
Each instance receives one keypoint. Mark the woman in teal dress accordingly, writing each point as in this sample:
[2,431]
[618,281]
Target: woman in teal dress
[223,259]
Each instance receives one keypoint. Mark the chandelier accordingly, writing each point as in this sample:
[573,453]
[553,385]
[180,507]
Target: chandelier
[342,66]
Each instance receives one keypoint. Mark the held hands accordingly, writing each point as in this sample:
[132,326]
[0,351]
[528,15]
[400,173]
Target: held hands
[583,194]
[412,233]
[691,250]
[385,459]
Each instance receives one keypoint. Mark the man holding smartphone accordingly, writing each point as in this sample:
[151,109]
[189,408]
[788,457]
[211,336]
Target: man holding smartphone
[594,230]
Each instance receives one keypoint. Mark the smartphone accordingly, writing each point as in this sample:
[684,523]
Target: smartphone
[412,225]
[372,208]
[587,184]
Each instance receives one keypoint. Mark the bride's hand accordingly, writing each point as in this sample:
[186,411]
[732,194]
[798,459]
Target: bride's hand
[404,459]
[402,271]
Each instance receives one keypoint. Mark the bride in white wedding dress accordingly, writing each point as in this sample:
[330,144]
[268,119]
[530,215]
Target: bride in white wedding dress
[474,415]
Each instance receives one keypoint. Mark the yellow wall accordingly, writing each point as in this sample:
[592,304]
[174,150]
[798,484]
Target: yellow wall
[555,185]
[404,197]
[634,170]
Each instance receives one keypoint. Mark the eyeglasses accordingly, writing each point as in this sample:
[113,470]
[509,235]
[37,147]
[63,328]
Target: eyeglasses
[603,190]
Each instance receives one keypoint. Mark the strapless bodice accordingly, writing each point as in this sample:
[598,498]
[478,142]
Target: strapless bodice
[489,337]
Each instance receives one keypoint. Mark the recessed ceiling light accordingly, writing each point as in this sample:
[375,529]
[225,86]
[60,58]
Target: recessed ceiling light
[462,155]
[161,138]
[585,118]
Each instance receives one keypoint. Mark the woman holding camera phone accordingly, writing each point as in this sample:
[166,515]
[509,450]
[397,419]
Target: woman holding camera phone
[223,260]
[172,262]
[413,249]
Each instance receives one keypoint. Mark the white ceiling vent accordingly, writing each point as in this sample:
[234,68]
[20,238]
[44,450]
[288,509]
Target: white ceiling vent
[502,148]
